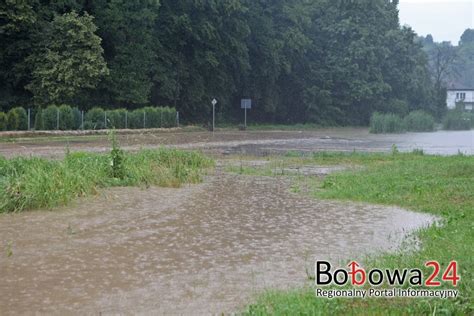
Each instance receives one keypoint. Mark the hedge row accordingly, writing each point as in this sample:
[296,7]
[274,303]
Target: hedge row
[65,117]
[16,119]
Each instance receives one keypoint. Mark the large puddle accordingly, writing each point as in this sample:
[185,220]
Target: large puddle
[207,248]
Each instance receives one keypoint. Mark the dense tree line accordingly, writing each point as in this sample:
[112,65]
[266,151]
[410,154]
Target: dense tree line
[323,61]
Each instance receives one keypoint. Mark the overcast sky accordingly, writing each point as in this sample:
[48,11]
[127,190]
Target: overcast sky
[446,20]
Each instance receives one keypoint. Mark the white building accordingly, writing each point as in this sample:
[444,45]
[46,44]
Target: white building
[461,96]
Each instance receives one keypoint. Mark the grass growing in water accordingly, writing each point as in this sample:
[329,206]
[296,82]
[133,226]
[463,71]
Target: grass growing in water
[433,184]
[458,120]
[419,121]
[386,123]
[31,183]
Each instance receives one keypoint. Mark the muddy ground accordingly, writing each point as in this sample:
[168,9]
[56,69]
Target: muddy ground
[200,249]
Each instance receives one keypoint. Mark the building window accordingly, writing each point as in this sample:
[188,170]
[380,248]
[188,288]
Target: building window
[460,95]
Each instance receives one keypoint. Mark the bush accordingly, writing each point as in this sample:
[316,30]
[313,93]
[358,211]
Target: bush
[94,119]
[77,118]
[22,118]
[419,121]
[136,119]
[13,120]
[39,124]
[169,117]
[386,123]
[457,121]
[97,118]
[116,118]
[3,121]
[152,117]
[50,117]
[66,118]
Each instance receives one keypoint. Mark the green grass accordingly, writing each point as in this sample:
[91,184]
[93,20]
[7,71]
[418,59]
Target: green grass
[419,121]
[443,186]
[32,183]
[458,120]
[386,124]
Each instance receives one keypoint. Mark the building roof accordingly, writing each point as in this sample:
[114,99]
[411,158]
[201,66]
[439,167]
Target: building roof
[460,89]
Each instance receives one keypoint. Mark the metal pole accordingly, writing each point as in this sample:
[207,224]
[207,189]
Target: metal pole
[177,119]
[213,117]
[82,120]
[57,119]
[245,117]
[29,118]
[105,119]
[144,119]
[161,118]
[126,120]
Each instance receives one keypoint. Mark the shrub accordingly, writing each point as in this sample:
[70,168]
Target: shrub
[66,118]
[386,123]
[3,121]
[152,117]
[13,120]
[39,124]
[116,118]
[136,119]
[22,118]
[50,117]
[95,119]
[77,118]
[419,121]
[457,120]
[169,117]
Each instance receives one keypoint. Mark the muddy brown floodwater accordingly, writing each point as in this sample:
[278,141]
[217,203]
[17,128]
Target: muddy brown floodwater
[201,249]
[252,142]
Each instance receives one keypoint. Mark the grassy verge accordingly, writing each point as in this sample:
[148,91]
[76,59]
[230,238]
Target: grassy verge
[87,135]
[31,183]
[438,185]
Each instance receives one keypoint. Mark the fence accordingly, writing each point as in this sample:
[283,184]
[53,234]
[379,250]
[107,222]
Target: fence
[65,117]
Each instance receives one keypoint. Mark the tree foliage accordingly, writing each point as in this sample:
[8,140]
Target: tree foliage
[68,59]
[324,61]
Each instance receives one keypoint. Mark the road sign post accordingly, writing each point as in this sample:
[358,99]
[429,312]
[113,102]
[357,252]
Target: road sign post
[214,102]
[246,104]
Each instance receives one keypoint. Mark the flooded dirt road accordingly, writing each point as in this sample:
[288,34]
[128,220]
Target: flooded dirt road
[206,248]
[252,142]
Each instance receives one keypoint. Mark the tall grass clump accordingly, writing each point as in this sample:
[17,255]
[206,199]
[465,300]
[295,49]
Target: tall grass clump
[457,120]
[419,121]
[386,123]
[32,183]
